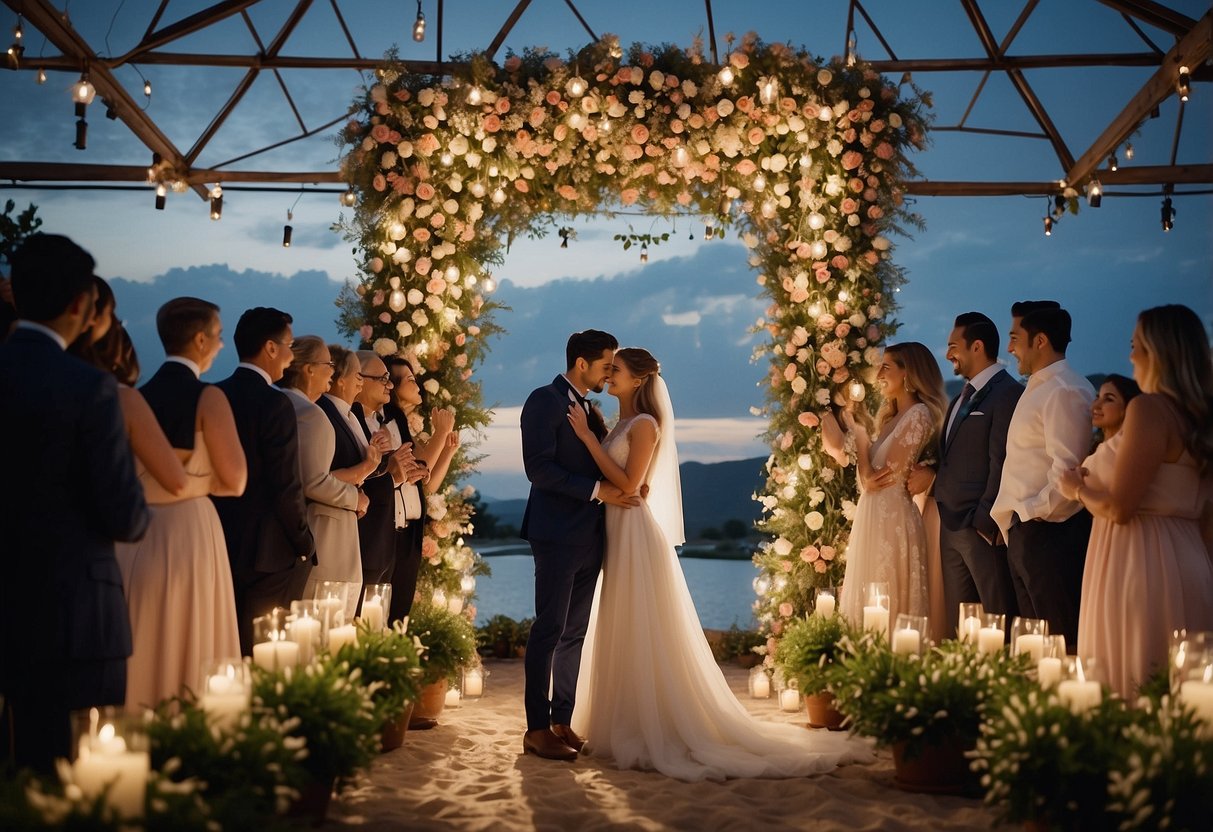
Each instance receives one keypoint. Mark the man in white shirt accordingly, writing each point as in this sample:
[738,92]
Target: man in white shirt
[1050,433]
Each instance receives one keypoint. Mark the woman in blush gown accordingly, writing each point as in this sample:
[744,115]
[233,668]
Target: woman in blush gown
[888,542]
[1148,570]
[650,695]
[178,580]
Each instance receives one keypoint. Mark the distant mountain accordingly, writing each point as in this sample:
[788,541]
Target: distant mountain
[712,493]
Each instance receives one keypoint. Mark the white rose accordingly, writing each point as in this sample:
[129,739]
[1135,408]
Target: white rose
[814,520]
[689,89]
[387,160]
[385,346]
[834,147]
[880,243]
[822,397]
[489,144]
[724,107]
[415,297]
[420,318]
[434,302]
[450,206]
[426,97]
[824,77]
[636,97]
[853,220]
[799,385]
[404,328]
[458,145]
[617,109]
[843,243]
[379,94]
[782,547]
[805,461]
[637,75]
[778,163]
[656,79]
[405,149]
[894,120]
[431,386]
[684,110]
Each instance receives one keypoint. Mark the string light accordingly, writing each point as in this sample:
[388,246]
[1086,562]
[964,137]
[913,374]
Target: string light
[768,91]
[18,48]
[1094,193]
[1113,163]
[349,198]
[644,252]
[726,75]
[217,202]
[83,91]
[475,95]
[1129,151]
[709,231]
[488,284]
[419,25]
[577,87]
[41,76]
[1168,213]
[1184,86]
[161,196]
[1048,226]
[287,230]
[147,88]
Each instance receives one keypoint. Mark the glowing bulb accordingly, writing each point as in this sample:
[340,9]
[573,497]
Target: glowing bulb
[726,75]
[576,120]
[452,273]
[161,190]
[768,208]
[147,88]
[396,301]
[446,158]
[477,189]
[760,182]
[817,250]
[679,158]
[41,77]
[349,198]
[856,391]
[1129,151]
[475,96]
[768,92]
[498,196]
[83,92]
[815,309]
[604,125]
[419,25]
[577,87]
[488,283]
[844,295]
[217,191]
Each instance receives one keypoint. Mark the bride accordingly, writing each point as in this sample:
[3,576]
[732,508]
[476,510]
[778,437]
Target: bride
[650,694]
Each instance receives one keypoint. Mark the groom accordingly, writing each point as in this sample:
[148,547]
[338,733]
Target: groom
[564,525]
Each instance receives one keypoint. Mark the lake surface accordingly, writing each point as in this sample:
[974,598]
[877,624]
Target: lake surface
[722,590]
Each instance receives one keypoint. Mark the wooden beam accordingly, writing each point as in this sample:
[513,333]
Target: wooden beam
[931,188]
[186,26]
[506,28]
[70,172]
[1018,62]
[1191,50]
[1157,175]
[243,87]
[1155,14]
[581,20]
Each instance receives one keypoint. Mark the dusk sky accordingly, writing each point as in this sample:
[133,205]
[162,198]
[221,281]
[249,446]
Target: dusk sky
[1104,265]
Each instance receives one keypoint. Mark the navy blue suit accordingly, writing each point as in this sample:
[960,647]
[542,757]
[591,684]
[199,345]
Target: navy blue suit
[269,542]
[970,470]
[409,539]
[565,529]
[68,490]
[376,528]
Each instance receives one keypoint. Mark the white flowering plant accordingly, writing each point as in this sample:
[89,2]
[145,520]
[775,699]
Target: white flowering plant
[919,700]
[804,158]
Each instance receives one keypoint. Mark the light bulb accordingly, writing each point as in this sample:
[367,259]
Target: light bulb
[768,91]
[1048,226]
[161,190]
[475,96]
[446,158]
[396,301]
[419,25]
[576,120]
[577,87]
[41,77]
[644,253]
[760,182]
[726,75]
[488,283]
[1129,151]
[216,207]
[844,295]
[1113,163]
[217,191]
[83,92]
[604,125]
[147,88]
[498,196]
[477,189]
[679,158]
[817,250]
[768,208]
[1184,85]
[816,221]
[349,198]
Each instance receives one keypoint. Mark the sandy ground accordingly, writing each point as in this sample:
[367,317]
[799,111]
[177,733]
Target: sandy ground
[469,773]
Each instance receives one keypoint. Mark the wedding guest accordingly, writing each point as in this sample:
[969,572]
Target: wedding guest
[1108,409]
[99,326]
[269,544]
[888,543]
[1148,570]
[178,579]
[972,448]
[68,490]
[1050,431]
[401,416]
[355,460]
[333,504]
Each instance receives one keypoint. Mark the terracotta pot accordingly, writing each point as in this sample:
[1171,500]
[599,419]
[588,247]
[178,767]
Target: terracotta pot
[748,660]
[391,735]
[939,769]
[520,651]
[822,713]
[432,700]
[313,801]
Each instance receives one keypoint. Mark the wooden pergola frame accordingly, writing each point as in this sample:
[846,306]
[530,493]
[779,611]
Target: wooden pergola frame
[1193,45]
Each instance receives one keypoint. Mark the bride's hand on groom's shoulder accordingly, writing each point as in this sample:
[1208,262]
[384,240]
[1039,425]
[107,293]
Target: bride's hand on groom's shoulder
[580,423]
[612,495]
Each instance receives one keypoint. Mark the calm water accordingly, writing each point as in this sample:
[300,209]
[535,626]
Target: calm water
[722,589]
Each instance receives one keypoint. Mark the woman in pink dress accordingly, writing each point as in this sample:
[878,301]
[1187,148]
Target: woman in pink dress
[1148,569]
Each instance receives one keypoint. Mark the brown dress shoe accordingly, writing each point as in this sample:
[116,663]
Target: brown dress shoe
[568,737]
[544,743]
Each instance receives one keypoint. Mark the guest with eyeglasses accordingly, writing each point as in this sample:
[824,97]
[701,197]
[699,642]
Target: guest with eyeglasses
[402,416]
[270,544]
[178,579]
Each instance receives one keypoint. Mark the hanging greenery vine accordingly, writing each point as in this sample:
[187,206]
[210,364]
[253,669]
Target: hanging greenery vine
[804,159]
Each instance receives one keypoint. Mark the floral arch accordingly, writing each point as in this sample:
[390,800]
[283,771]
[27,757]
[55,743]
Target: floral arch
[804,159]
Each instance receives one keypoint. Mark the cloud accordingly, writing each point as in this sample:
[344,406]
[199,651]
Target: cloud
[691,318]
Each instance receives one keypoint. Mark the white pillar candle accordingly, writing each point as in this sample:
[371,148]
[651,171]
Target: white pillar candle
[825,606]
[762,686]
[1048,672]
[276,655]
[105,759]
[876,618]
[789,699]
[1198,695]
[372,613]
[224,699]
[1080,695]
[306,633]
[338,637]
[906,641]
[990,639]
[473,683]
[452,697]
[969,628]
[1032,645]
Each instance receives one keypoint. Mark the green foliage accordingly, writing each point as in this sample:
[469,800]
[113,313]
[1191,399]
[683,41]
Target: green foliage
[247,773]
[13,231]
[737,642]
[633,239]
[809,646]
[919,700]
[325,705]
[449,641]
[522,633]
[496,629]
[390,663]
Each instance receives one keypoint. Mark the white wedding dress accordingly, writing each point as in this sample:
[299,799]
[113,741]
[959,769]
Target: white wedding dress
[650,695]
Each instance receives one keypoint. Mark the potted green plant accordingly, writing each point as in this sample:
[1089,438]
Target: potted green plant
[449,643]
[738,644]
[247,773]
[927,708]
[808,647]
[391,660]
[326,705]
[522,634]
[497,635]
[1048,767]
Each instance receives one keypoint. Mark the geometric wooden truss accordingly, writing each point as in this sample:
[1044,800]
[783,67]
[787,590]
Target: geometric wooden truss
[1191,48]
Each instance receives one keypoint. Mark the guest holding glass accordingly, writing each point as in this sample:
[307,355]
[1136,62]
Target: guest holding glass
[178,579]
[334,502]
[1148,570]
[1108,409]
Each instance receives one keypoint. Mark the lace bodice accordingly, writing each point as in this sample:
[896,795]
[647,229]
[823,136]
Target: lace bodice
[616,443]
[901,447]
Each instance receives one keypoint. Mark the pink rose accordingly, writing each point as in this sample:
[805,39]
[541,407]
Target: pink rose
[808,419]
[438,220]
[385,317]
[746,167]
[379,183]
[492,123]
[513,63]
[840,262]
[521,186]
[628,196]
[756,135]
[785,609]
[809,554]
[855,184]
[425,191]
[567,191]
[421,235]
[871,258]
[842,330]
[851,160]
[503,105]
[537,117]
[789,372]
[823,369]
[849,206]
[828,553]
[821,566]
[739,60]
[365,332]
[376,264]
[429,547]
[552,98]
[875,212]
[380,133]
[640,134]
[884,150]
[785,565]
[435,286]
[745,104]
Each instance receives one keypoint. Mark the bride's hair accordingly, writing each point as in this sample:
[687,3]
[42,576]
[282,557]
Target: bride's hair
[641,363]
[923,379]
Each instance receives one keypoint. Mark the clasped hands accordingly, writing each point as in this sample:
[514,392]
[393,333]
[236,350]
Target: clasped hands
[1071,482]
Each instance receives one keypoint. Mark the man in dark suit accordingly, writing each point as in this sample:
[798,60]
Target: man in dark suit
[376,528]
[68,491]
[972,447]
[189,329]
[268,539]
[564,524]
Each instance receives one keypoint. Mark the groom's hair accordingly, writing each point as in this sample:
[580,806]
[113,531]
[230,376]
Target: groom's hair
[589,345]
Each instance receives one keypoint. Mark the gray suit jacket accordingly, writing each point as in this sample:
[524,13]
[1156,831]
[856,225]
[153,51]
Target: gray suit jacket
[970,459]
[330,502]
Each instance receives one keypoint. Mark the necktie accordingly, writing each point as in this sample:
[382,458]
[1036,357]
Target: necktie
[962,407]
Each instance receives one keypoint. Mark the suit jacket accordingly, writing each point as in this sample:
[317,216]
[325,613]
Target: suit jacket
[561,470]
[394,415]
[377,528]
[970,460]
[173,394]
[266,527]
[68,490]
[331,503]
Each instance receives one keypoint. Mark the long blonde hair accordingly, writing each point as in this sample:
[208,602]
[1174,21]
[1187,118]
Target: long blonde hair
[1178,365]
[641,363]
[923,379]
